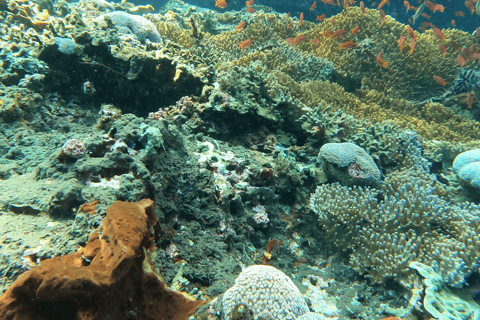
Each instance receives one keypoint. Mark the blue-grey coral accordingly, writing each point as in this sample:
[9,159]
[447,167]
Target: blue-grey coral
[405,220]
[142,28]
[467,167]
[360,167]
[267,292]
[68,46]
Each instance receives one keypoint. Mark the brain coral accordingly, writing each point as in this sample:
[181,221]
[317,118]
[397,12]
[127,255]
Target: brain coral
[142,28]
[405,220]
[361,169]
[467,166]
[267,292]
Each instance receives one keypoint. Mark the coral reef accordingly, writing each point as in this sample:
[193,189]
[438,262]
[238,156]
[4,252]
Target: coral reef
[142,28]
[348,163]
[467,167]
[112,276]
[267,292]
[405,220]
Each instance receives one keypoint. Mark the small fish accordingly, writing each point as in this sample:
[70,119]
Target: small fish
[289,25]
[345,4]
[426,16]
[316,41]
[321,17]
[313,6]
[347,45]
[469,5]
[461,61]
[328,34]
[454,24]
[240,26]
[250,10]
[418,12]
[221,4]
[362,6]
[438,33]
[401,42]
[440,8]
[440,80]
[411,33]
[339,33]
[300,20]
[469,99]
[443,49]
[459,13]
[382,3]
[430,5]
[245,44]
[380,60]
[355,30]
[407,5]
[412,45]
[249,3]
[382,16]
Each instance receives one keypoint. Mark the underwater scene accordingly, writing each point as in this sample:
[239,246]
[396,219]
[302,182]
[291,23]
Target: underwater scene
[230,159]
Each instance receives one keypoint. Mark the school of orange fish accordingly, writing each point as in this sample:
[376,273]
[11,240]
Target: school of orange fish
[469,54]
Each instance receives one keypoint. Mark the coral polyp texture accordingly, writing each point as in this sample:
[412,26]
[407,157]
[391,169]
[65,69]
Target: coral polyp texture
[113,277]
[467,167]
[267,292]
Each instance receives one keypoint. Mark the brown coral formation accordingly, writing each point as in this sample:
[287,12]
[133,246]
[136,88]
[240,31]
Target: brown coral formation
[110,278]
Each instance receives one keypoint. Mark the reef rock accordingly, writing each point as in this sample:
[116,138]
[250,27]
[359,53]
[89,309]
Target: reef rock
[467,167]
[111,278]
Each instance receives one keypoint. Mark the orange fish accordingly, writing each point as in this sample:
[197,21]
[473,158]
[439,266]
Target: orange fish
[250,10]
[454,24]
[313,6]
[249,3]
[438,33]
[355,30]
[443,49]
[407,5]
[470,6]
[426,16]
[339,33]
[459,13]
[440,80]
[439,7]
[362,6]
[321,17]
[430,5]
[347,45]
[461,61]
[221,4]
[401,42]
[316,41]
[411,33]
[382,16]
[328,34]
[244,44]
[300,20]
[455,45]
[289,25]
[382,3]
[345,4]
[412,45]
[240,26]
[469,100]
[380,60]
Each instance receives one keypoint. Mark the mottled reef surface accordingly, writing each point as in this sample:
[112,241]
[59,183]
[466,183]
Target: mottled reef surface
[287,150]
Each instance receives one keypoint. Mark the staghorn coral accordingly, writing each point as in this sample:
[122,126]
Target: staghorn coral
[406,220]
[112,277]
[267,292]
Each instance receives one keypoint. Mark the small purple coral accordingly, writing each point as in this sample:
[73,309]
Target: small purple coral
[74,148]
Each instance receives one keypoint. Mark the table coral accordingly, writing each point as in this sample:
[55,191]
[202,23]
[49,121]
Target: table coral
[267,292]
[141,27]
[110,278]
